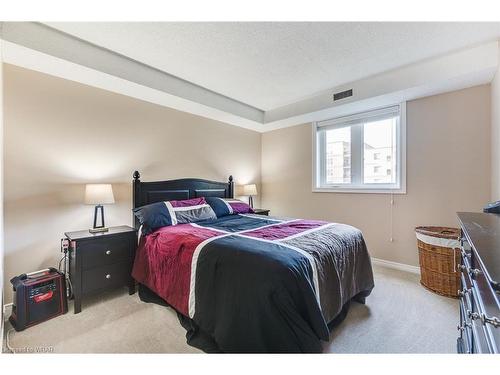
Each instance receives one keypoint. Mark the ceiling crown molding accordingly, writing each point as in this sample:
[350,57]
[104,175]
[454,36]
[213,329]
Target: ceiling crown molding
[48,41]
[38,47]
[458,70]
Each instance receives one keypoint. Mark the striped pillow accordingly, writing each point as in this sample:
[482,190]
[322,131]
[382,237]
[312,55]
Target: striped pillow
[190,211]
[162,214]
[224,207]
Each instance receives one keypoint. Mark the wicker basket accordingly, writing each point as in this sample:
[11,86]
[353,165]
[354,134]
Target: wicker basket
[439,257]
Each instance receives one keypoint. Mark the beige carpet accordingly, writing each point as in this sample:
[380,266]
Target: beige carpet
[400,317]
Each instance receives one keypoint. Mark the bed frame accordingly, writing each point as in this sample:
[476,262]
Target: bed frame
[185,188]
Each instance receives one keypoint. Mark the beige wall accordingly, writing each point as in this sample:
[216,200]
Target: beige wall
[448,170]
[495,137]
[60,135]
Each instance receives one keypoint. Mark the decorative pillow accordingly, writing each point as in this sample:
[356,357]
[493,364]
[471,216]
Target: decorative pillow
[190,211]
[224,207]
[162,214]
[153,216]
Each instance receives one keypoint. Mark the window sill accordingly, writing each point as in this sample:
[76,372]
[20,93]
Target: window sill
[358,191]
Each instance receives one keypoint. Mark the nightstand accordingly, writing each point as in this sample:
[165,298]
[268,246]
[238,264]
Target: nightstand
[101,261]
[261,211]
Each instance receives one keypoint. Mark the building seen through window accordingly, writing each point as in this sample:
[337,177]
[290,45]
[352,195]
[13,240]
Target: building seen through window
[378,157]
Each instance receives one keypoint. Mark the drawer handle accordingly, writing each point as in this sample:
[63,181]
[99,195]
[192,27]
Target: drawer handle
[108,276]
[108,252]
[461,328]
[473,315]
[470,271]
[475,271]
[494,321]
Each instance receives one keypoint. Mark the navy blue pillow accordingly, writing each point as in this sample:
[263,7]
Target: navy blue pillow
[220,207]
[153,216]
[228,206]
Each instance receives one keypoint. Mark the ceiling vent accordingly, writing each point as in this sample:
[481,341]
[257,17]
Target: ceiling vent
[342,95]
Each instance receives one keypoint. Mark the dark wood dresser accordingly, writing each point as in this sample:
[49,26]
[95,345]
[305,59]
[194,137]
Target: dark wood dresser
[479,328]
[101,261]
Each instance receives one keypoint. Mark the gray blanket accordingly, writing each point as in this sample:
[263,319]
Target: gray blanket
[343,263]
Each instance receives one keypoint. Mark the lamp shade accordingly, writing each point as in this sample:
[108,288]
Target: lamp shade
[250,189]
[99,194]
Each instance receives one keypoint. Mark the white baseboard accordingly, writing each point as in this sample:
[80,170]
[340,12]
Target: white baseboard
[396,266]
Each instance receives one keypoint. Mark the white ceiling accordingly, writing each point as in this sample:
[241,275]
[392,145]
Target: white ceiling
[268,65]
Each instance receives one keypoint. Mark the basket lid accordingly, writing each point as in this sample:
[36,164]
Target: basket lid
[439,232]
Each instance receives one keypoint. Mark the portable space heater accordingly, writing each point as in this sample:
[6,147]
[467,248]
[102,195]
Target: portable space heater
[38,296]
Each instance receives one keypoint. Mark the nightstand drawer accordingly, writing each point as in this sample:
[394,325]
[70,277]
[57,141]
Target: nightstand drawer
[103,251]
[101,261]
[108,276]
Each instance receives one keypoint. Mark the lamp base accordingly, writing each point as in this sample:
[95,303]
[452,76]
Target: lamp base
[101,227]
[98,230]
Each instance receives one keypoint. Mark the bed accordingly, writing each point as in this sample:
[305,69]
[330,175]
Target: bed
[247,283]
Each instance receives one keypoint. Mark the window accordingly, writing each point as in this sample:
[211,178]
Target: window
[363,152]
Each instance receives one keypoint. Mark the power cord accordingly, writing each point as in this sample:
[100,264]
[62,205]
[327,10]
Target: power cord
[69,289]
[7,341]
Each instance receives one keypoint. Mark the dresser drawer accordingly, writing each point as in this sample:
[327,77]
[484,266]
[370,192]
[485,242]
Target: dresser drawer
[103,251]
[480,342]
[108,276]
[465,328]
[480,303]
[486,304]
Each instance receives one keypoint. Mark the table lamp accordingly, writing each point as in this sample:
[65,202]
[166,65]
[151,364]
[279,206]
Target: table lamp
[99,194]
[250,190]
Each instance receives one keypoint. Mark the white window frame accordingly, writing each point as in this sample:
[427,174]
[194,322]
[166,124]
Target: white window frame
[357,155]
